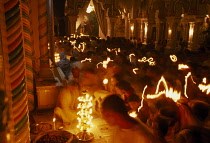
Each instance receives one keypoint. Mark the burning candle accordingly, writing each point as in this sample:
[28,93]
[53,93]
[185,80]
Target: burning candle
[169,33]
[105,82]
[191,31]
[54,119]
[133,114]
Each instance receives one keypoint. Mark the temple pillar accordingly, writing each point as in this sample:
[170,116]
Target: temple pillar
[193,30]
[45,72]
[139,30]
[127,27]
[173,23]
[159,29]
[150,23]
[111,28]
[197,30]
[72,23]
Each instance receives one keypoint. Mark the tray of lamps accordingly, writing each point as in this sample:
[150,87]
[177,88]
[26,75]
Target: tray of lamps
[54,136]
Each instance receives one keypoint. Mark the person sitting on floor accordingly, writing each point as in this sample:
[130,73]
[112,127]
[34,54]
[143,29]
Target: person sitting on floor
[143,111]
[126,128]
[125,89]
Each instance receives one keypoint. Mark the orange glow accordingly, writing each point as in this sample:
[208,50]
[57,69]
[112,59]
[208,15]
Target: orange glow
[84,114]
[133,114]
[57,57]
[173,58]
[185,86]
[142,98]
[105,81]
[86,59]
[134,70]
[203,87]
[150,61]
[130,56]
[182,67]
[105,63]
[169,92]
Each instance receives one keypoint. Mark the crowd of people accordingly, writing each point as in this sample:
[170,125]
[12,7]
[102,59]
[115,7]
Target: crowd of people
[133,72]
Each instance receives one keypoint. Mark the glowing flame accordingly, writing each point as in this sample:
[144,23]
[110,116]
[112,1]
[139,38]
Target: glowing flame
[85,106]
[169,92]
[173,58]
[204,80]
[133,114]
[131,56]
[110,50]
[86,59]
[57,57]
[203,87]
[142,99]
[118,50]
[135,69]
[185,86]
[182,67]
[54,119]
[105,63]
[105,81]
[90,8]
[150,60]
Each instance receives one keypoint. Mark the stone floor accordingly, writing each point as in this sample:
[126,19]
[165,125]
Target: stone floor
[100,129]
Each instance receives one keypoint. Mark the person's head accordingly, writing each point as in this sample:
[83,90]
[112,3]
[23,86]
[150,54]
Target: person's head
[134,101]
[113,109]
[62,55]
[200,109]
[125,87]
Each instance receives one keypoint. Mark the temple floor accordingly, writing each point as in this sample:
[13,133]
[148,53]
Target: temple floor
[100,129]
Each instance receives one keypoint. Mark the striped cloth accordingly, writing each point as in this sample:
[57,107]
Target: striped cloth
[27,44]
[17,71]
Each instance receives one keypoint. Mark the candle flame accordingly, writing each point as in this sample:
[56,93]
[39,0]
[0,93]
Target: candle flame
[204,87]
[185,86]
[86,59]
[54,119]
[142,99]
[182,67]
[105,63]
[173,58]
[169,92]
[105,81]
[57,57]
[133,114]
[204,80]
[135,69]
[150,61]
[85,106]
[131,56]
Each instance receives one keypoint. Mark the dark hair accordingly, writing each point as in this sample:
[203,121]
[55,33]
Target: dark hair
[117,76]
[122,84]
[200,109]
[114,103]
[133,98]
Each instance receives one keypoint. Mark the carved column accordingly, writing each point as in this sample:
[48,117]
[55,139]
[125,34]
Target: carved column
[150,23]
[140,28]
[197,30]
[132,28]
[127,24]
[112,26]
[173,23]
[186,31]
[45,72]
[72,23]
